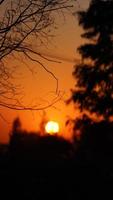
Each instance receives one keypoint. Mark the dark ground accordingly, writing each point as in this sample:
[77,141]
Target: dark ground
[51,169]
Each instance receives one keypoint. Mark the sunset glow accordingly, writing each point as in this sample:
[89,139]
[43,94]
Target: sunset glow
[52,127]
[41,89]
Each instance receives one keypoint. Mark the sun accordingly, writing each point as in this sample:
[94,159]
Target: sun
[52,127]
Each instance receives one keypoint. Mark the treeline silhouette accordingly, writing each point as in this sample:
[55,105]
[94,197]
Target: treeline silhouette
[33,149]
[34,166]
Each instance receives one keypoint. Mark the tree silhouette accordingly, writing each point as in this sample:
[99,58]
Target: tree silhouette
[94,74]
[15,135]
[93,93]
[16,128]
[42,124]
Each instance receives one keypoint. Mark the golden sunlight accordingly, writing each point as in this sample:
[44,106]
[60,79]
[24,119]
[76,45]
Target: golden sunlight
[52,127]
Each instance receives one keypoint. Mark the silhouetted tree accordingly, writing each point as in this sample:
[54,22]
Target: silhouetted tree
[43,122]
[15,135]
[93,91]
[16,128]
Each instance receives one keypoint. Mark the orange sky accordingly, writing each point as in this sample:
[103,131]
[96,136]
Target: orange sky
[40,87]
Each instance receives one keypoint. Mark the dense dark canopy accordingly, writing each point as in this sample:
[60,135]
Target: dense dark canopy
[94,74]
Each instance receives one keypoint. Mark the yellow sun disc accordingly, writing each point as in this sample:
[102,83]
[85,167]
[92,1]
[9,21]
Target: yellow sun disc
[52,127]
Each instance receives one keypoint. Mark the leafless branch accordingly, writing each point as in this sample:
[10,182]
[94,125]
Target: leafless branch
[33,107]
[21,22]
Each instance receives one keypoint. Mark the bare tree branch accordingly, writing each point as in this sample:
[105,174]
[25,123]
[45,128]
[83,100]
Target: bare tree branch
[46,69]
[33,107]
[21,22]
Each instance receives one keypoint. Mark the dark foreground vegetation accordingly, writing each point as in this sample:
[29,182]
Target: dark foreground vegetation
[36,167]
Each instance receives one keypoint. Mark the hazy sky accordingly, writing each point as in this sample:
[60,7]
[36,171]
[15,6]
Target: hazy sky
[40,87]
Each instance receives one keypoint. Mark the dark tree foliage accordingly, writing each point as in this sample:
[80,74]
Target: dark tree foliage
[93,91]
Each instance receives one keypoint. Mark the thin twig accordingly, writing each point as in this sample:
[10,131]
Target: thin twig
[47,70]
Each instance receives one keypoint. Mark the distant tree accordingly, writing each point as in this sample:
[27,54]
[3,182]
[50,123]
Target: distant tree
[42,124]
[15,135]
[93,93]
[21,23]
[16,127]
